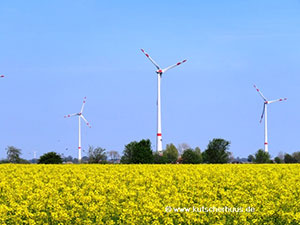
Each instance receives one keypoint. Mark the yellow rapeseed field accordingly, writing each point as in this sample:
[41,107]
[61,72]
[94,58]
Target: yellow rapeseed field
[149,194]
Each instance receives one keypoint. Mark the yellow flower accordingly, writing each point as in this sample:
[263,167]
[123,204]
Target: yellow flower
[149,194]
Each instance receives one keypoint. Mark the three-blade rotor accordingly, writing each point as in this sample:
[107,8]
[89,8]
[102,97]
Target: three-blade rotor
[159,70]
[80,114]
[266,102]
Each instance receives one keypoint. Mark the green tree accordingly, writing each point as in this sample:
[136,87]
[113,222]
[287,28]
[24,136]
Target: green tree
[96,155]
[171,153]
[289,159]
[296,156]
[250,158]
[13,154]
[138,152]
[277,160]
[262,157]
[160,159]
[190,156]
[50,158]
[198,151]
[217,151]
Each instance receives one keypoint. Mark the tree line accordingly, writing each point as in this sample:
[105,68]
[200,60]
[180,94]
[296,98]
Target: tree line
[217,151]
[141,152]
[264,157]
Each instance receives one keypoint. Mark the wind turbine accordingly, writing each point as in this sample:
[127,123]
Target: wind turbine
[80,116]
[264,113]
[159,72]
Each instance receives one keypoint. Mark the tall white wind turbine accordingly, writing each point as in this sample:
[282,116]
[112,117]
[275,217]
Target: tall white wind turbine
[159,72]
[80,116]
[264,113]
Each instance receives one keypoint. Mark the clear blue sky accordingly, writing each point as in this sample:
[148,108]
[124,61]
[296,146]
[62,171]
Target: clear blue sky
[54,53]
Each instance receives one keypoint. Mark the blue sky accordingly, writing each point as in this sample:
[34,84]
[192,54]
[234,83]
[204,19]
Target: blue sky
[53,53]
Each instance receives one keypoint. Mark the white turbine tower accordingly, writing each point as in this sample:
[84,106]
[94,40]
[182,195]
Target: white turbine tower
[159,72]
[80,116]
[264,113]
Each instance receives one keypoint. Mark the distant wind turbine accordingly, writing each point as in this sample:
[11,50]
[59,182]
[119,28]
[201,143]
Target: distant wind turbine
[159,72]
[80,116]
[264,113]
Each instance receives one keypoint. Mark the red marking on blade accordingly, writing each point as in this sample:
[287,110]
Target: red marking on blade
[79,147]
[178,63]
[83,101]
[68,115]
[280,100]
[142,50]
[159,134]
[266,143]
[147,55]
[184,61]
[2,76]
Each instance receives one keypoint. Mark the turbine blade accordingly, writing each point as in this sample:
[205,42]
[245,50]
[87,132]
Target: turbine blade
[263,113]
[170,67]
[148,56]
[74,114]
[260,93]
[277,100]
[83,103]
[87,123]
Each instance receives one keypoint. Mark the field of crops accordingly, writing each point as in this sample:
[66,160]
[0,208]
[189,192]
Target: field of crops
[149,194]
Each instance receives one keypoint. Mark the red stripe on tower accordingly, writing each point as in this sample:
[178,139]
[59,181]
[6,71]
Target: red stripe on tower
[159,134]
[266,143]
[79,147]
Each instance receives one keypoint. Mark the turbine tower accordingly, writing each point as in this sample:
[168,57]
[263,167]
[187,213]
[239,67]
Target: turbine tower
[264,113]
[159,72]
[80,116]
